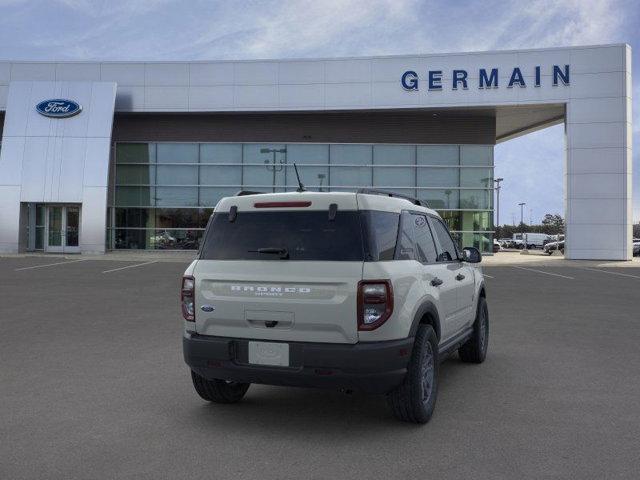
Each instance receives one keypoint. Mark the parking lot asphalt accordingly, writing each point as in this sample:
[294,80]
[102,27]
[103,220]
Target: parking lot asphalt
[93,385]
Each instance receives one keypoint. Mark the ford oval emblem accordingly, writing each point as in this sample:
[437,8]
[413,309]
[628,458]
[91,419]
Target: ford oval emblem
[58,108]
[207,308]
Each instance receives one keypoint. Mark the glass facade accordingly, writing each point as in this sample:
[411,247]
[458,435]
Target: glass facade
[164,193]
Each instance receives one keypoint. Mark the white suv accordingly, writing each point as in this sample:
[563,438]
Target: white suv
[355,291]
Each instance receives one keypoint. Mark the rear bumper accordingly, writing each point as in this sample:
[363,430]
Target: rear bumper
[372,367]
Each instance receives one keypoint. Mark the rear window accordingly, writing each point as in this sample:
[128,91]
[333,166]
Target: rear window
[303,235]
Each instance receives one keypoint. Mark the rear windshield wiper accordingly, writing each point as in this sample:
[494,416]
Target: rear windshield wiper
[284,254]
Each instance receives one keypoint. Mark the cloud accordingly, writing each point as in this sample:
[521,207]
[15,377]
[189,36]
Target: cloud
[251,29]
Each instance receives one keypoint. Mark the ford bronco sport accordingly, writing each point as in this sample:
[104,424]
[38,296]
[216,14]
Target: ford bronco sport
[355,291]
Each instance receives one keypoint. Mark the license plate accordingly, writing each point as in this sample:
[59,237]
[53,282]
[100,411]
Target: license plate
[269,353]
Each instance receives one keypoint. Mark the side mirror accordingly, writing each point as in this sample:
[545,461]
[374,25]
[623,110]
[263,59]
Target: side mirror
[471,255]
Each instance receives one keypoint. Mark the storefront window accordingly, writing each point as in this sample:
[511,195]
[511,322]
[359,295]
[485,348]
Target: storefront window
[221,153]
[402,173]
[476,155]
[440,199]
[438,155]
[481,241]
[264,170]
[476,177]
[178,152]
[313,165]
[476,199]
[438,177]
[136,153]
[164,192]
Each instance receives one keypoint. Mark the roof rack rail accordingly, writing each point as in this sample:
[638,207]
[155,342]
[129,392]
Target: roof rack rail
[242,193]
[373,191]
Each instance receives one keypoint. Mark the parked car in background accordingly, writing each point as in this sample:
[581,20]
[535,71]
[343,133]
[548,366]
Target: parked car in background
[636,247]
[553,246]
[506,243]
[533,240]
[496,246]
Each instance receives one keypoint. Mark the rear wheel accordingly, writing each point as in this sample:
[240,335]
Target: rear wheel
[219,391]
[475,349]
[415,400]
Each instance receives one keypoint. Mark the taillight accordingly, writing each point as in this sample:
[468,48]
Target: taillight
[375,303]
[187,298]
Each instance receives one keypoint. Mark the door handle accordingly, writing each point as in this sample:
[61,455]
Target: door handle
[436,282]
[460,277]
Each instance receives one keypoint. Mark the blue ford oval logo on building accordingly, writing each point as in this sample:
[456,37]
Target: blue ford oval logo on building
[58,108]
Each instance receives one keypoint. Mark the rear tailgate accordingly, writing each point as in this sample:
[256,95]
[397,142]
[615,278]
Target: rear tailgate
[278,300]
[281,267]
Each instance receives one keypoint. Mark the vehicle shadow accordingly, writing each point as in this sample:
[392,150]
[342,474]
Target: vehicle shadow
[289,410]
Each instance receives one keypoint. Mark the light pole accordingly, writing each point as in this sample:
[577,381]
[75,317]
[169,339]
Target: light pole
[273,165]
[524,240]
[497,181]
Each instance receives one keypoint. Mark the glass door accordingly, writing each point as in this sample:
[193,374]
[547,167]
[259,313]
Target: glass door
[62,229]
[54,229]
[72,229]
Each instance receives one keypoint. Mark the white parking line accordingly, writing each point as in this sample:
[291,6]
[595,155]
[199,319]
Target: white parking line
[130,266]
[545,273]
[488,276]
[611,273]
[49,265]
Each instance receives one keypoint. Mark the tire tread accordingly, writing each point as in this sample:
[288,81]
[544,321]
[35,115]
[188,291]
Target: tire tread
[471,351]
[403,401]
[218,391]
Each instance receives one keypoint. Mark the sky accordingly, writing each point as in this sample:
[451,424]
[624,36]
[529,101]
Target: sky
[532,165]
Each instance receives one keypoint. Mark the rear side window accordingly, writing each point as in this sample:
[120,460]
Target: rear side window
[449,251]
[304,235]
[425,247]
[406,240]
[415,241]
[380,231]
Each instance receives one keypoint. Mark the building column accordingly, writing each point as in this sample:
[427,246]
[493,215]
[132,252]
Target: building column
[93,221]
[9,218]
[598,205]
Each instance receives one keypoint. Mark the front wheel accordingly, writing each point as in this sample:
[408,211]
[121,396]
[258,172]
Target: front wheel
[474,350]
[415,400]
[219,391]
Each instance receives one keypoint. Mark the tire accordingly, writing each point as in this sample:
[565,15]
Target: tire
[474,350]
[219,391]
[415,400]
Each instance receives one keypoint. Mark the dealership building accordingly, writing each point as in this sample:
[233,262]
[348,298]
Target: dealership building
[99,156]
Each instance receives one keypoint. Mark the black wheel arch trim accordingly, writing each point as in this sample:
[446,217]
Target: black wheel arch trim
[482,291]
[427,308]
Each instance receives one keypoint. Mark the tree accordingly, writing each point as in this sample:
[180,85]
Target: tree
[552,224]
[553,220]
